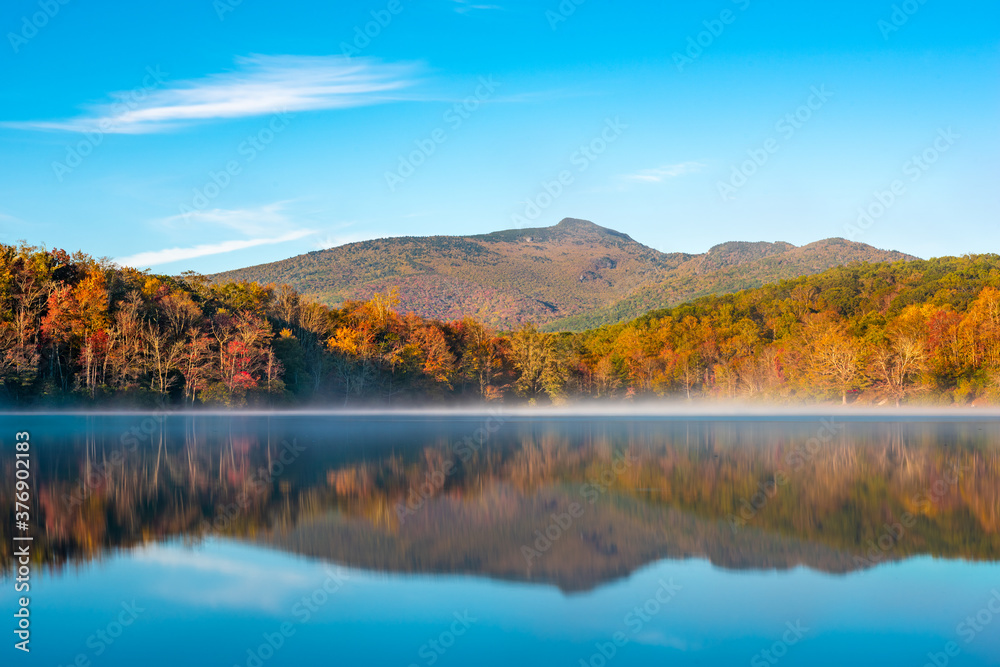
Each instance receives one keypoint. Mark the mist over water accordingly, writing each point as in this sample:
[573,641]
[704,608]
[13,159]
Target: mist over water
[667,408]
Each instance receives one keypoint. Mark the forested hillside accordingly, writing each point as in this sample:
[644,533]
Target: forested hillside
[727,268]
[926,331]
[76,330]
[572,276]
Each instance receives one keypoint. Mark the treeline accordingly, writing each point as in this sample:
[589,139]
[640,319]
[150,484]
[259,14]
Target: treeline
[916,331]
[78,330]
[74,329]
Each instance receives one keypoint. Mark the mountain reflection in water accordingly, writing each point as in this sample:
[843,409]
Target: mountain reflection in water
[572,502]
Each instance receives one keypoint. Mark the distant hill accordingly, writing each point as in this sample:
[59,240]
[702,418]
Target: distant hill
[569,276]
[730,267]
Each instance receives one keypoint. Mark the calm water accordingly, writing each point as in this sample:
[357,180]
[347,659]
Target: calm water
[305,540]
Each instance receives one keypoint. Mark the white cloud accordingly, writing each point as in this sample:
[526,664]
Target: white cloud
[251,222]
[265,225]
[181,557]
[336,240]
[258,85]
[231,581]
[464,6]
[222,573]
[156,257]
[663,173]
[658,638]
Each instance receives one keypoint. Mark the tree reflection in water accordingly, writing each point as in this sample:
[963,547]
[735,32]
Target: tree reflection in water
[403,494]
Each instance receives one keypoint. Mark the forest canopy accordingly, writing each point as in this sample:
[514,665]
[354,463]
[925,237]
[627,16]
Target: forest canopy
[80,331]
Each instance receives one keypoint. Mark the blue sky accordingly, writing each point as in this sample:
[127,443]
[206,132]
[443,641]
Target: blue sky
[212,135]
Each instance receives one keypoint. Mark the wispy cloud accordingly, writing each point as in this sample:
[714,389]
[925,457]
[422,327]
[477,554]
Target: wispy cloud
[178,557]
[249,221]
[255,223]
[464,6]
[220,580]
[157,257]
[336,240]
[661,174]
[258,85]
[658,638]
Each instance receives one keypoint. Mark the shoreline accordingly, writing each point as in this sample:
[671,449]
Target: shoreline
[581,412]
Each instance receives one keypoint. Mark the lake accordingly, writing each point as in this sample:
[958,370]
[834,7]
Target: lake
[498,539]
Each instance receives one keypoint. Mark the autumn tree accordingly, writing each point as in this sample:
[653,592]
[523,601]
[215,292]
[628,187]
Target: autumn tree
[197,365]
[482,359]
[164,354]
[901,355]
[536,360]
[245,359]
[835,359]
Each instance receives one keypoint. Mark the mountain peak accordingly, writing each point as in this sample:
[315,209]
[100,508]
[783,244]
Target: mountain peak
[578,225]
[574,229]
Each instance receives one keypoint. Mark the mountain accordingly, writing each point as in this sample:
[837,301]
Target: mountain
[730,267]
[611,541]
[569,276]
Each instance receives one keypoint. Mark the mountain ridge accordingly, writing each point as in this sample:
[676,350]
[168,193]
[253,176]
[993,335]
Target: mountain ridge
[568,276]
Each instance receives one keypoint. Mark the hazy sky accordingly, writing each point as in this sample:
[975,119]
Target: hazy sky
[207,136]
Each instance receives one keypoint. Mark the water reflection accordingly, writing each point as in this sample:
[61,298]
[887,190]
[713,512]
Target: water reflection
[574,503]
